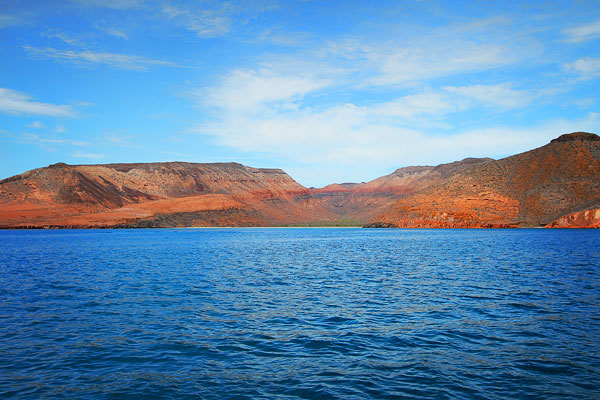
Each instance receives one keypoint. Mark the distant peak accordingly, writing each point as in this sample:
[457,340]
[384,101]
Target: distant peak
[58,165]
[582,136]
[475,160]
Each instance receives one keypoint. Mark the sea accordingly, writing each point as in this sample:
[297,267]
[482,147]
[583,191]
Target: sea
[300,313]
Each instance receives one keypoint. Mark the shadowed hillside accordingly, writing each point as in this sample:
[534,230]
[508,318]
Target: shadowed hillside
[557,185]
[156,194]
[534,188]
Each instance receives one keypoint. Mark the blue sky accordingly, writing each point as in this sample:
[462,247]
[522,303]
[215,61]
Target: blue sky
[330,91]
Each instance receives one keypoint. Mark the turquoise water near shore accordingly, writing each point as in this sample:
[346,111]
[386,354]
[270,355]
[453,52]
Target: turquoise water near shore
[306,313]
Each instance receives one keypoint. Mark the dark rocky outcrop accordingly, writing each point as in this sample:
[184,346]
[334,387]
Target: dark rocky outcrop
[575,136]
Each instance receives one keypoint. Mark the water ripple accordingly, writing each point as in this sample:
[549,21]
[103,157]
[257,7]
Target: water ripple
[300,314]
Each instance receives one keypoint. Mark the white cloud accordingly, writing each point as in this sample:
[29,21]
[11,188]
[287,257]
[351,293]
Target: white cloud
[42,140]
[205,23]
[45,140]
[7,20]
[13,102]
[501,95]
[113,31]
[279,37]
[409,106]
[245,90]
[93,156]
[122,61]
[407,65]
[64,37]
[587,68]
[365,104]
[447,53]
[269,112]
[114,4]
[36,125]
[48,141]
[60,129]
[353,143]
[584,32]
[208,19]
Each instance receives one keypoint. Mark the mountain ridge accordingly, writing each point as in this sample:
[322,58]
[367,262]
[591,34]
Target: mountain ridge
[546,186]
[533,188]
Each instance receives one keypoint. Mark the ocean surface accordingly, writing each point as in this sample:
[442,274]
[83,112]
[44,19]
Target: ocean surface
[300,314]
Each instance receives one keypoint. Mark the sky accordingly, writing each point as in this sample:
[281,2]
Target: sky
[329,91]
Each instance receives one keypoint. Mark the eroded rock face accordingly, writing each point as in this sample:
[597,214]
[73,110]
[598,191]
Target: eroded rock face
[548,186]
[136,194]
[579,219]
[363,202]
[187,194]
[528,189]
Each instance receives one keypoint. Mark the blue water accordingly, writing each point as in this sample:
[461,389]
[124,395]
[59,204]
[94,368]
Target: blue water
[300,314]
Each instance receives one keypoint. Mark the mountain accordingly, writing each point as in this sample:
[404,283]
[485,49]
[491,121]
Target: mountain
[362,202]
[190,194]
[155,194]
[535,188]
[557,185]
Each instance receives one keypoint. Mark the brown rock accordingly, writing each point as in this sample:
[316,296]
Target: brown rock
[579,219]
[528,189]
[557,185]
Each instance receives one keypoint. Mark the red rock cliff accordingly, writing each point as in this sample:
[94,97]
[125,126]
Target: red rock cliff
[528,189]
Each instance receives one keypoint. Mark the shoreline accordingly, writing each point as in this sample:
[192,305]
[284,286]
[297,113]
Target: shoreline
[57,228]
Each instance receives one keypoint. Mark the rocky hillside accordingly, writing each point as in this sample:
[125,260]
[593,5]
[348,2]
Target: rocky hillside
[188,194]
[363,202]
[535,188]
[557,185]
[156,194]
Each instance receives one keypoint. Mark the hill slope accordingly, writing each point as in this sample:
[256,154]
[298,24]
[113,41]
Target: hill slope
[534,188]
[189,194]
[556,185]
[363,202]
[156,194]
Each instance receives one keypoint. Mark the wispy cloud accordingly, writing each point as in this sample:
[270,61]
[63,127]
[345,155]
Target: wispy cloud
[204,22]
[111,30]
[352,142]
[83,103]
[209,19]
[121,61]
[501,95]
[409,60]
[7,20]
[92,156]
[17,103]
[45,141]
[586,68]
[407,65]
[64,37]
[119,140]
[36,125]
[272,112]
[280,37]
[42,140]
[114,4]
[376,101]
[249,89]
[432,104]
[583,32]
